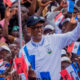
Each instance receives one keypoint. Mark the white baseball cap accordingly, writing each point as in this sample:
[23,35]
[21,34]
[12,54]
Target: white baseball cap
[49,27]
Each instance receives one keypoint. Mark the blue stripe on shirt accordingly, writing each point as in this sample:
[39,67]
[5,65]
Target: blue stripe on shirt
[31,58]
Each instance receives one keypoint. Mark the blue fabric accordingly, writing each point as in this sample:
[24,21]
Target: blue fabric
[31,58]
[32,61]
[2,79]
[45,76]
[7,65]
[1,71]
[76,69]
[78,52]
[76,18]
[70,6]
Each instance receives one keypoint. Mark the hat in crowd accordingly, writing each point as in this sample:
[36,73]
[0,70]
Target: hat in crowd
[15,28]
[32,20]
[4,46]
[63,52]
[48,27]
[65,58]
[65,20]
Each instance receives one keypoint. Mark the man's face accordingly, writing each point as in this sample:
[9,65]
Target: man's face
[64,65]
[64,26]
[27,33]
[24,13]
[14,50]
[4,54]
[15,33]
[37,31]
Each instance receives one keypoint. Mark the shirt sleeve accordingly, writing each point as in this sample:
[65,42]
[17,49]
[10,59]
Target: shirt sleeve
[65,39]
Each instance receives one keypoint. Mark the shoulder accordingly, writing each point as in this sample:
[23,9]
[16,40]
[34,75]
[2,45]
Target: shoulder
[27,47]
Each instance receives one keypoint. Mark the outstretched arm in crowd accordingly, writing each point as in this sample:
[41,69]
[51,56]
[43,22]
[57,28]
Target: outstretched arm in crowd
[63,4]
[65,39]
[8,37]
[32,6]
[71,25]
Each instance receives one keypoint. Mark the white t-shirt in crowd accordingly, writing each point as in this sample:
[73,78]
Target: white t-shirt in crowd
[46,55]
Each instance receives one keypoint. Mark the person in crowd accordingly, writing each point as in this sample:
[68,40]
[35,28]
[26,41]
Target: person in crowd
[14,49]
[43,40]
[65,60]
[48,29]
[47,48]
[6,70]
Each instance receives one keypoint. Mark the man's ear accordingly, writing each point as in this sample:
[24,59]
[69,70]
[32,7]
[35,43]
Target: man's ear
[28,29]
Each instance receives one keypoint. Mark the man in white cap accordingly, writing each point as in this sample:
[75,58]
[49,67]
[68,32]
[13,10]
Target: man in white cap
[43,52]
[49,29]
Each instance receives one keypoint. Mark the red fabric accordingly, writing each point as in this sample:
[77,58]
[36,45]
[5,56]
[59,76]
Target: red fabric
[25,69]
[65,75]
[8,2]
[21,66]
[3,39]
[18,64]
[70,48]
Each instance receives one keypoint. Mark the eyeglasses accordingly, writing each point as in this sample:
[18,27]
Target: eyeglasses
[37,27]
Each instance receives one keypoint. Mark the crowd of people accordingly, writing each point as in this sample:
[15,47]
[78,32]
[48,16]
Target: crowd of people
[50,40]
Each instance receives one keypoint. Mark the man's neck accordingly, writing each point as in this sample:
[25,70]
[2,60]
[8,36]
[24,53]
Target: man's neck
[36,40]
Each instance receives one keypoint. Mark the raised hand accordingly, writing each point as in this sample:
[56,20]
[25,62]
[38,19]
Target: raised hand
[63,4]
[44,3]
[73,21]
[31,74]
[7,13]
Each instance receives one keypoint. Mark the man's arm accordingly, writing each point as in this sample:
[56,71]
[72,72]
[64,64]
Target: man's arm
[63,4]
[65,39]
[8,37]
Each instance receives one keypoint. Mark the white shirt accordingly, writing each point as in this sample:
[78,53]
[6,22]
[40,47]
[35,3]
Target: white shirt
[47,57]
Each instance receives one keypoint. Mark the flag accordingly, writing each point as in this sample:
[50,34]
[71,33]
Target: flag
[27,60]
[24,67]
[69,73]
[70,5]
[65,75]
[9,2]
[1,62]
[59,18]
[74,48]
[21,66]
[18,65]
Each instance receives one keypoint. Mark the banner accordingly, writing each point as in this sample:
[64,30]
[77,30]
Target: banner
[59,18]
[70,73]
[21,66]
[18,65]
[74,48]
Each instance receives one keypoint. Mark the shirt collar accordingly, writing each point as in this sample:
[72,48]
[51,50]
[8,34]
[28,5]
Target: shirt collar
[37,44]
